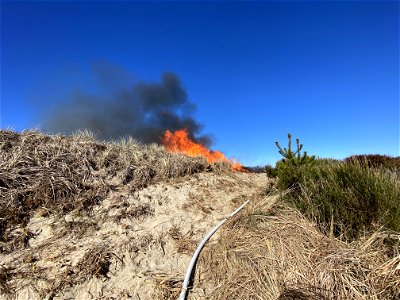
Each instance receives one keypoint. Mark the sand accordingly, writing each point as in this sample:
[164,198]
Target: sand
[132,244]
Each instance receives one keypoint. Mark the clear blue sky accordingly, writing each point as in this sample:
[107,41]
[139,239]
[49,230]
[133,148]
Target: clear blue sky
[328,72]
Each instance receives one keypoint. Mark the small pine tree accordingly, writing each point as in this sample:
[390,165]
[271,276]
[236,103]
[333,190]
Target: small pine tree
[288,169]
[294,157]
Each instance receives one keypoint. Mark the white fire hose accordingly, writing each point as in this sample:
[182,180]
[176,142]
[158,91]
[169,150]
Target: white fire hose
[185,284]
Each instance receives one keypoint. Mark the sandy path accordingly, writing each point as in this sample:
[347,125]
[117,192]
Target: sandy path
[147,237]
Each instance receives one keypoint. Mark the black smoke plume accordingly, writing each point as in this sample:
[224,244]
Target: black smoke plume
[143,110]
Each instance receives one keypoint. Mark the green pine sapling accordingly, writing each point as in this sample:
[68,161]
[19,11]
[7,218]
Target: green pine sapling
[294,157]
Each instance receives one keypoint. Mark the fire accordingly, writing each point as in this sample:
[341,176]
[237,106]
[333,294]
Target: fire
[180,142]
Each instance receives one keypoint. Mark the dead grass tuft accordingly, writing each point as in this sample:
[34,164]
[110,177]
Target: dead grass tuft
[167,287]
[220,167]
[139,211]
[304,293]
[54,175]
[273,252]
[183,242]
[95,262]
[5,277]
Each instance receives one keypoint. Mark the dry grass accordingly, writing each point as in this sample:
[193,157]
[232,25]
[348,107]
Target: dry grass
[269,251]
[183,242]
[52,176]
[95,262]
[73,208]
[57,174]
[5,276]
[168,287]
[273,252]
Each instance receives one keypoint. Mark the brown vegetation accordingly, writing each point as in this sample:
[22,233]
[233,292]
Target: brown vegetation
[376,161]
[273,252]
[80,218]
[58,174]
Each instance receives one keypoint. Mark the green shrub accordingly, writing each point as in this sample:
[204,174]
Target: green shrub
[347,199]
[290,168]
[271,171]
[376,161]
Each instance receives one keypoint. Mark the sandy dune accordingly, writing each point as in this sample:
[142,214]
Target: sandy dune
[133,241]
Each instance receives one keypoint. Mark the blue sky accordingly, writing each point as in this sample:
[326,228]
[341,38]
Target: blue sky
[325,71]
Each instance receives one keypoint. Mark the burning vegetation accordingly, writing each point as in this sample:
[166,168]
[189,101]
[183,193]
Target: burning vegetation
[59,174]
[179,142]
[78,215]
[85,219]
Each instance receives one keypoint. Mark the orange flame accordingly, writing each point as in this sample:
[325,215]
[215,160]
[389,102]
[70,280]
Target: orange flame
[180,142]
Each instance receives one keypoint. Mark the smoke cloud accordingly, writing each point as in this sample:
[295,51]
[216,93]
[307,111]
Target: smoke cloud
[143,110]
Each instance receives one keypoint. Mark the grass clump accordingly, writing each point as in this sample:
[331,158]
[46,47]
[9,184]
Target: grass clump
[59,174]
[345,199]
[284,256]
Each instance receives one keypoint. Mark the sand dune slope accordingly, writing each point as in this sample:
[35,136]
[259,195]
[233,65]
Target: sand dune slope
[130,244]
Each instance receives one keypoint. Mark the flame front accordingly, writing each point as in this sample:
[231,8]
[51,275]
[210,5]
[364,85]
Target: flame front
[180,142]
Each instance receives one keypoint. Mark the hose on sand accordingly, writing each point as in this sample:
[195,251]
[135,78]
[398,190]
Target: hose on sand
[189,271]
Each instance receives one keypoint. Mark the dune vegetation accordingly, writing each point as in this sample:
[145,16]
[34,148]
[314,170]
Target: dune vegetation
[317,229]
[71,206]
[332,231]
[58,174]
